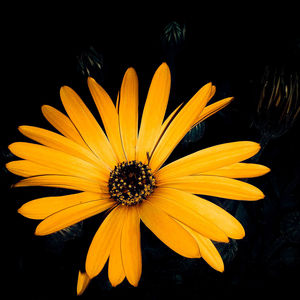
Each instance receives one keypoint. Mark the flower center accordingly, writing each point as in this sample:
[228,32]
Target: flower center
[131,182]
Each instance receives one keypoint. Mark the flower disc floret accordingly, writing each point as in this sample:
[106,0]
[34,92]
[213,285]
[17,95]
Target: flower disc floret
[131,182]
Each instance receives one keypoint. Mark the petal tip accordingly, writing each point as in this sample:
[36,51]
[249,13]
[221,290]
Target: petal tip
[165,66]
[91,81]
[21,211]
[38,232]
[45,108]
[82,282]
[22,128]
[267,170]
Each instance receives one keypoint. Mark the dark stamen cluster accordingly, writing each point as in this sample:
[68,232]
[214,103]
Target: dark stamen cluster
[131,182]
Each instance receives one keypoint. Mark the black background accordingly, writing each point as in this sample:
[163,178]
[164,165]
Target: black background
[228,45]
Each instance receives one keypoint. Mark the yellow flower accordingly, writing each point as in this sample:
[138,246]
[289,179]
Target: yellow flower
[122,171]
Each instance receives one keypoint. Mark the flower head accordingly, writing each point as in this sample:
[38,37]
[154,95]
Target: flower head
[123,171]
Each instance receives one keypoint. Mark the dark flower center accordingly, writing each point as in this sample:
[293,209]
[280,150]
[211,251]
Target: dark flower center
[131,182]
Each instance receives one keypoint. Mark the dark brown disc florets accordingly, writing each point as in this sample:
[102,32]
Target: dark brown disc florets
[131,182]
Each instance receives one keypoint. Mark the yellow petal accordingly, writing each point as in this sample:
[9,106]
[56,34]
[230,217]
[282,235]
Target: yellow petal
[82,282]
[180,125]
[109,116]
[212,109]
[87,126]
[62,181]
[212,92]
[72,215]
[57,160]
[63,124]
[168,230]
[168,120]
[128,113]
[61,143]
[207,250]
[215,186]
[189,217]
[154,111]
[103,241]
[131,246]
[239,170]
[164,126]
[118,102]
[44,207]
[116,272]
[209,159]
[210,211]
[26,168]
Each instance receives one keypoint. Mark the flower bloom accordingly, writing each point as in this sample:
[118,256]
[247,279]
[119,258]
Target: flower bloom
[122,171]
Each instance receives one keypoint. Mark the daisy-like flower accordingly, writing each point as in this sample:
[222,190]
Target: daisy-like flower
[122,171]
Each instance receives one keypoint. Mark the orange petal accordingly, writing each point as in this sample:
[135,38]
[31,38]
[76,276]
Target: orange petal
[104,240]
[212,109]
[44,207]
[215,186]
[154,111]
[61,143]
[209,159]
[239,170]
[179,126]
[185,214]
[72,215]
[63,124]
[63,181]
[109,116]
[128,113]
[131,246]
[208,250]
[168,230]
[116,272]
[26,168]
[87,126]
[82,282]
[210,211]
[57,160]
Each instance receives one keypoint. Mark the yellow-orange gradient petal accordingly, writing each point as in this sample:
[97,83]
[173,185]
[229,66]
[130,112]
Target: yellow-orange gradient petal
[72,215]
[109,116]
[215,186]
[209,159]
[210,211]
[168,230]
[168,121]
[103,241]
[131,246]
[63,124]
[239,170]
[212,92]
[63,162]
[87,126]
[26,168]
[63,181]
[154,111]
[61,143]
[128,112]
[179,126]
[212,109]
[208,250]
[189,217]
[83,281]
[116,272]
[44,207]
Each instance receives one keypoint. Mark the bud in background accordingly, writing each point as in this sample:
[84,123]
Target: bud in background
[173,35]
[90,63]
[278,106]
